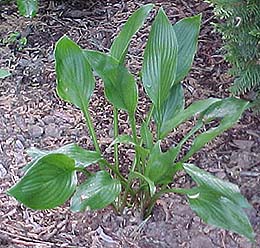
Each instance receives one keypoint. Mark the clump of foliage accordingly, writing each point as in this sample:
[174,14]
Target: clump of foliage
[240,29]
[15,40]
[51,177]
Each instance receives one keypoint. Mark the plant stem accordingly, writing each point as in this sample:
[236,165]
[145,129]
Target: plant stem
[91,128]
[119,175]
[133,127]
[86,172]
[149,116]
[115,113]
[153,200]
[135,162]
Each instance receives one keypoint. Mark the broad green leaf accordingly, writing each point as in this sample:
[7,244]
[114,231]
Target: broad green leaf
[221,212]
[151,185]
[207,180]
[146,135]
[27,8]
[228,110]
[160,60]
[74,75]
[171,107]
[97,192]
[134,23]
[187,33]
[194,108]
[4,73]
[48,184]
[120,86]
[218,202]
[82,157]
[160,165]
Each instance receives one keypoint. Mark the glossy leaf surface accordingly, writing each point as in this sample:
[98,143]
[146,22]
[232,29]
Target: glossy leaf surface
[48,184]
[160,165]
[120,87]
[187,33]
[218,202]
[27,8]
[74,75]
[97,192]
[228,111]
[171,107]
[160,60]
[82,157]
[4,73]
[207,180]
[193,109]
[133,24]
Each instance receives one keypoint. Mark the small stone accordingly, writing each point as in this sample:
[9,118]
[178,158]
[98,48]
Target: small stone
[208,229]
[201,241]
[23,62]
[19,144]
[221,174]
[3,171]
[20,122]
[52,130]
[48,119]
[35,131]
[21,137]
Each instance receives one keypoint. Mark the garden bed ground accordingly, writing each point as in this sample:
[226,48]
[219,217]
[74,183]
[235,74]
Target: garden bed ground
[32,115]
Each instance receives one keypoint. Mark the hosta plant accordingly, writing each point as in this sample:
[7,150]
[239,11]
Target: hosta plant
[50,179]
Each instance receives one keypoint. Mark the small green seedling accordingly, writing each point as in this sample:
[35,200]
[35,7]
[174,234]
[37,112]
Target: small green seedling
[15,39]
[51,178]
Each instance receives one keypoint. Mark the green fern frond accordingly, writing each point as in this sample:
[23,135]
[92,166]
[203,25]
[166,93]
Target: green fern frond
[246,80]
[240,30]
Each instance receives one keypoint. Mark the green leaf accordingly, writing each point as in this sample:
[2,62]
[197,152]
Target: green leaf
[151,185]
[146,136]
[171,107]
[97,192]
[228,110]
[134,23]
[4,73]
[218,202]
[74,76]
[48,184]
[227,189]
[120,86]
[27,8]
[194,108]
[82,157]
[160,60]
[187,33]
[160,165]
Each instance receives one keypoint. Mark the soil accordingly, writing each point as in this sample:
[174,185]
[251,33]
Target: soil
[31,114]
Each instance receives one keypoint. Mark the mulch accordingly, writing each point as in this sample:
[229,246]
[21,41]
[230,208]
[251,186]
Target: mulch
[31,114]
